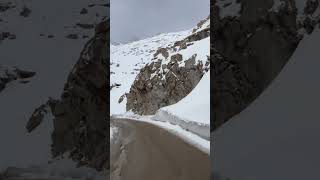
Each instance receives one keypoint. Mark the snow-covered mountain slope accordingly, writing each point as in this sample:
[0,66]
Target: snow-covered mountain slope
[173,73]
[172,65]
[48,37]
[193,111]
[128,59]
[277,136]
[196,105]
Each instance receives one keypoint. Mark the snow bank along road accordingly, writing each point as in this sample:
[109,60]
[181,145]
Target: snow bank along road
[143,151]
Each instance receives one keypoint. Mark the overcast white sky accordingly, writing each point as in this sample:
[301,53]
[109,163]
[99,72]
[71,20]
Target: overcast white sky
[138,19]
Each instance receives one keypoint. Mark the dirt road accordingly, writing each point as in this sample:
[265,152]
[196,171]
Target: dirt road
[142,151]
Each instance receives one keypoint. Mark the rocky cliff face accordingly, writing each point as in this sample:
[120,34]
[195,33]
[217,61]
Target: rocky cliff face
[80,120]
[80,123]
[252,41]
[172,74]
[8,74]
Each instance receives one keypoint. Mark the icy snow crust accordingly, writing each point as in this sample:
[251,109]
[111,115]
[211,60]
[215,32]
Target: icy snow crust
[191,138]
[202,130]
[192,112]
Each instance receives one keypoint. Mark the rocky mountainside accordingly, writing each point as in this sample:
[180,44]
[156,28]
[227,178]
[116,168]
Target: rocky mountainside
[8,75]
[80,123]
[252,41]
[34,36]
[80,116]
[173,72]
[128,59]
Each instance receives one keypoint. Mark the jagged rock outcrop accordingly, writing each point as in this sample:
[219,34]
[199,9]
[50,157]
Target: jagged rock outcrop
[81,126]
[171,75]
[250,46]
[8,75]
[80,123]
[37,117]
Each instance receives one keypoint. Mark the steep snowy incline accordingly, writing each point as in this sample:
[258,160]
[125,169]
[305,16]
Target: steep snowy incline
[41,43]
[128,59]
[277,136]
[193,111]
[196,106]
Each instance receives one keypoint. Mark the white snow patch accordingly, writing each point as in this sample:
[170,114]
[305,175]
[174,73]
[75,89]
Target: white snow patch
[189,137]
[193,111]
[199,48]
